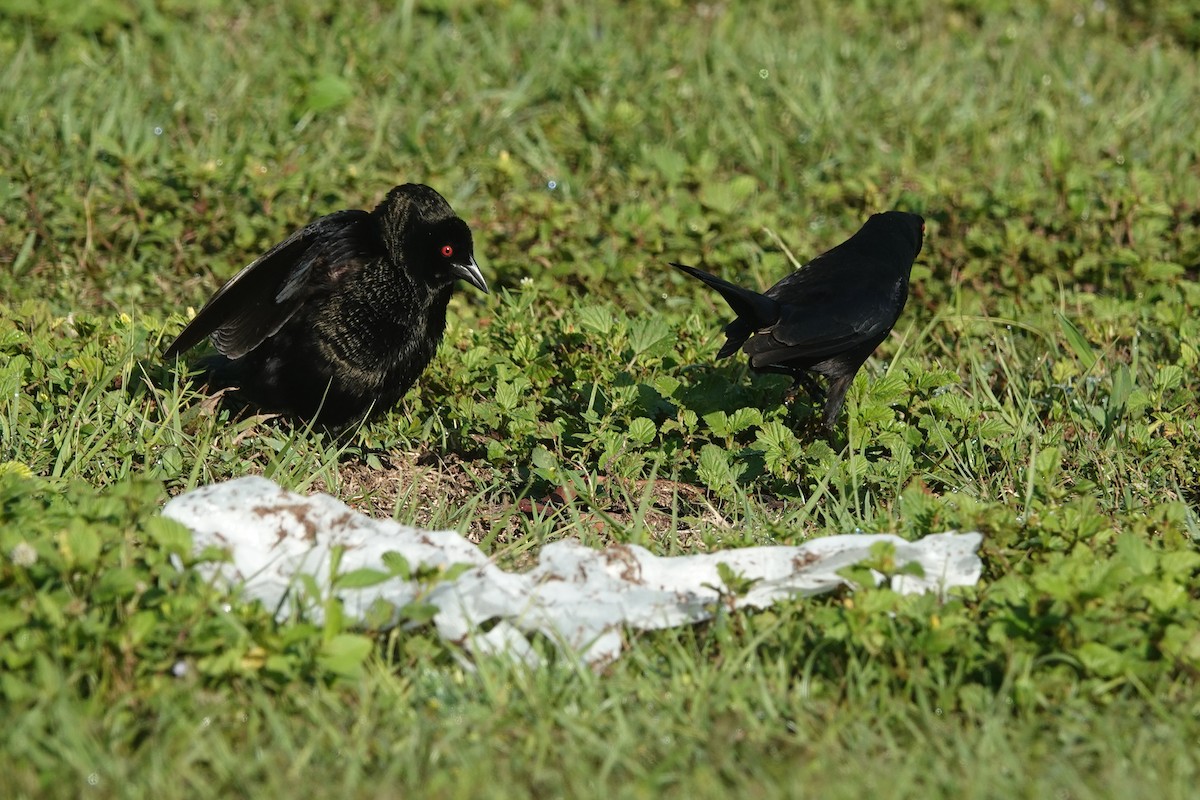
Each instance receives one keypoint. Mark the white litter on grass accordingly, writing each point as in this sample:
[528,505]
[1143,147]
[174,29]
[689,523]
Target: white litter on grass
[579,598]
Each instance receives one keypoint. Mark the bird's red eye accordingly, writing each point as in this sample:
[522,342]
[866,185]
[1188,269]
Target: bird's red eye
[447,250]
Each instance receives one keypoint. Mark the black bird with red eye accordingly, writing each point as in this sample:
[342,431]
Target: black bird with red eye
[339,320]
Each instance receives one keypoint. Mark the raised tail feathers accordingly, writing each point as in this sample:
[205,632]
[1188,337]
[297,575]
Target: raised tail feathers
[754,311]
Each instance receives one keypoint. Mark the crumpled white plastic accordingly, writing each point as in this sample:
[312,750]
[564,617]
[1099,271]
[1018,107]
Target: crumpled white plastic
[577,597]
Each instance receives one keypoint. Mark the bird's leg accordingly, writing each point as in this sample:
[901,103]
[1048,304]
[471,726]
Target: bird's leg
[799,377]
[802,378]
[833,402]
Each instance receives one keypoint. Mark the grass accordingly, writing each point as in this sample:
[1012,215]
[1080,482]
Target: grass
[1040,387]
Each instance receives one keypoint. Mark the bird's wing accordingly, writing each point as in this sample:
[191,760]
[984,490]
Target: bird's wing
[256,302]
[823,322]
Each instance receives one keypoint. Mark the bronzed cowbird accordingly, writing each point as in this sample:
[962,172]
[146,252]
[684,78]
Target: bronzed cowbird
[340,318]
[828,316]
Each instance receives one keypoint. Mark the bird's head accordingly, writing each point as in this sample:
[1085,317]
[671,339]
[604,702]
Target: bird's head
[903,231]
[423,233]
[447,248]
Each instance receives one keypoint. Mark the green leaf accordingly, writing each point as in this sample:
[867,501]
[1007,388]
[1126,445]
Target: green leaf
[667,160]
[419,613]
[1182,642]
[397,564]
[744,418]
[282,664]
[379,614]
[81,546]
[648,335]
[666,386]
[12,376]
[117,583]
[1161,270]
[11,619]
[508,395]
[328,92]
[597,319]
[1118,398]
[1165,597]
[1078,342]
[345,654]
[361,578]
[452,572]
[1168,378]
[642,430]
[1179,563]
[953,406]
[888,389]
[734,582]
[728,196]
[543,459]
[780,448]
[1136,554]
[1101,659]
[717,422]
[172,536]
[141,627]
[714,469]
[993,428]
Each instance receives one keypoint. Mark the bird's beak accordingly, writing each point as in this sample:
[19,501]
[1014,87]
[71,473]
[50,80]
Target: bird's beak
[470,273]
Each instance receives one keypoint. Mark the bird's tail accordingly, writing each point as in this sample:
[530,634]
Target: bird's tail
[754,311]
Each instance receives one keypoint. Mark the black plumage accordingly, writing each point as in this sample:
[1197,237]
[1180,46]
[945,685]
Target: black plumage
[828,316]
[339,319]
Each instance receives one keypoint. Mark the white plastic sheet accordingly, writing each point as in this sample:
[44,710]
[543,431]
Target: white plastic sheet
[579,598]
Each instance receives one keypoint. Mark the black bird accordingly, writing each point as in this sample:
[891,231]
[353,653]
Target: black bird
[828,316]
[339,319]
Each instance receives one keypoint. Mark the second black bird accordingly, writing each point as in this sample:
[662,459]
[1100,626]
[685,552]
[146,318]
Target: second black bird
[830,315]
[340,318]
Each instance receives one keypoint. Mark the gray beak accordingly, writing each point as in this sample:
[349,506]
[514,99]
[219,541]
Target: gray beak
[470,273]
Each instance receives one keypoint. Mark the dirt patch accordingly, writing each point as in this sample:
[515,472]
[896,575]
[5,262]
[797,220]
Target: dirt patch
[442,490]
[405,481]
[663,508]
